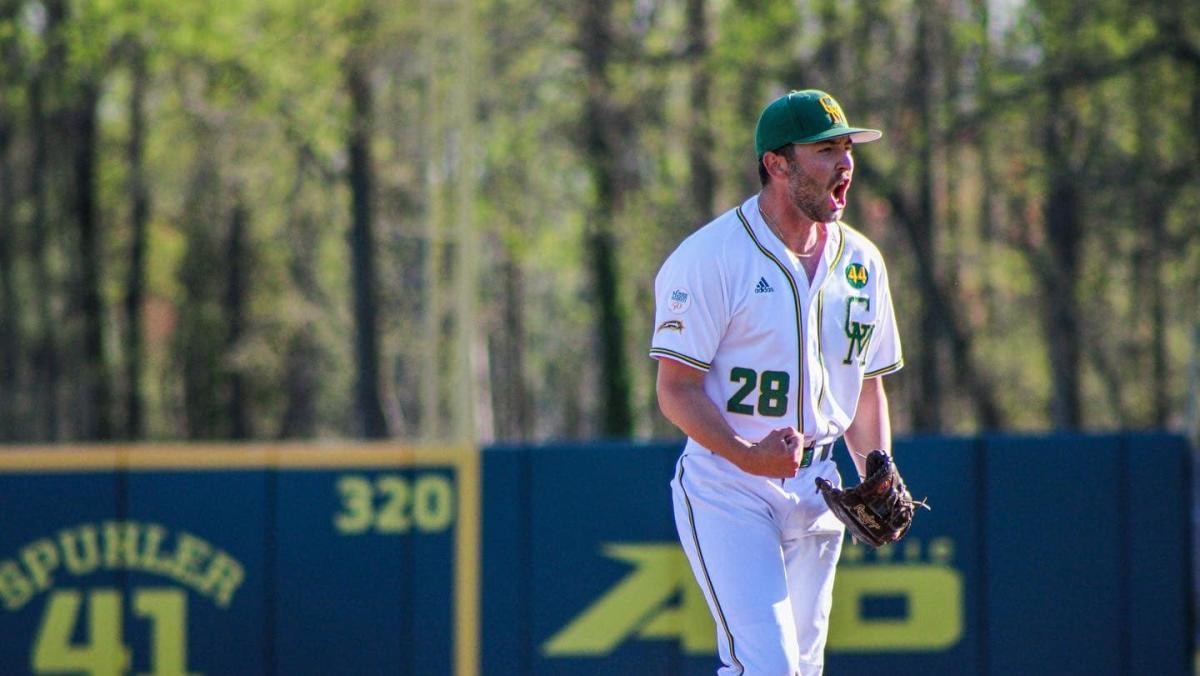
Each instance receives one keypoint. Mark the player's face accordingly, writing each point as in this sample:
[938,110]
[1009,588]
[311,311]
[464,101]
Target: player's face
[819,178]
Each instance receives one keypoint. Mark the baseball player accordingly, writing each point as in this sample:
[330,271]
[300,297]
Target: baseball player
[774,325]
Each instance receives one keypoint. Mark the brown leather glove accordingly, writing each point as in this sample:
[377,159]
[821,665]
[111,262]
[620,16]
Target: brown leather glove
[877,511]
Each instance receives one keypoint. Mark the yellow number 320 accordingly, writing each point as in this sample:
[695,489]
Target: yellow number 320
[392,504]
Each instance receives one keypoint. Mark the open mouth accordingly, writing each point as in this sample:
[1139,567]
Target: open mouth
[837,194]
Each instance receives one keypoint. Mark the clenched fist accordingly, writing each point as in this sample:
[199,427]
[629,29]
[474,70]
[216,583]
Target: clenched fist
[777,455]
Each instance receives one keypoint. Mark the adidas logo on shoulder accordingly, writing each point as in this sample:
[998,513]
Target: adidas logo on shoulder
[763,286]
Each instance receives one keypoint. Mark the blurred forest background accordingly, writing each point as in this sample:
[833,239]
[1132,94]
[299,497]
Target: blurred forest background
[434,219]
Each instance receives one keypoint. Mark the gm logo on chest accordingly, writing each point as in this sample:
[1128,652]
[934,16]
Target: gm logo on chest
[857,333]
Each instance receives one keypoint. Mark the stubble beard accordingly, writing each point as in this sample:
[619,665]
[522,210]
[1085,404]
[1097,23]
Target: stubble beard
[810,198]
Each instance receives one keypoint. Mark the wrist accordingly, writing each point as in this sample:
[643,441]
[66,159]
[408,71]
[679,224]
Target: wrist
[740,452]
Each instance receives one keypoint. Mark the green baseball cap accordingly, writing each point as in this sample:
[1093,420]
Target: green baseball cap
[805,116]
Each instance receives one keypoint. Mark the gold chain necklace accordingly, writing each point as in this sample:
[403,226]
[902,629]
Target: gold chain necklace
[770,224]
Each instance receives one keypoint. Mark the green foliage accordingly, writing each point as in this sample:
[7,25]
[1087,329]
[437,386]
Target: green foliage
[247,101]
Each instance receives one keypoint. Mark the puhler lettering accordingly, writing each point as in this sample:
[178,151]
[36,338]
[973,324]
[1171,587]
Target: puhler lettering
[120,545]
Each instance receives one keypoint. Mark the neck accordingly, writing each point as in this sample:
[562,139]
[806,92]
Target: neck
[799,233]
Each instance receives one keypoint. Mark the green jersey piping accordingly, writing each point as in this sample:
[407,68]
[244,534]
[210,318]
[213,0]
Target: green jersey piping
[704,568]
[837,257]
[885,370]
[820,348]
[799,325]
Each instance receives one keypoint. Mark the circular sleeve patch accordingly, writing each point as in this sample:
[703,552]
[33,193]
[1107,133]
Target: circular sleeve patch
[856,274]
[679,301]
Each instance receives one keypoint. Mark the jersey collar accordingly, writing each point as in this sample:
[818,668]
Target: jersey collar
[835,244]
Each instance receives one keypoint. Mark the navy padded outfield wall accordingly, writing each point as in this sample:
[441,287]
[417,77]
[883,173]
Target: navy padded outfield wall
[1042,555]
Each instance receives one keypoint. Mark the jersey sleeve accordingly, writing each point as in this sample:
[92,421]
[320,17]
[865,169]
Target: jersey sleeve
[884,354]
[691,309]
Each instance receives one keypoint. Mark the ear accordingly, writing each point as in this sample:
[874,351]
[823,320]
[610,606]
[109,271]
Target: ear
[776,164]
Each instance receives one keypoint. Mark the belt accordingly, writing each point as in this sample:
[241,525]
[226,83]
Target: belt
[818,451]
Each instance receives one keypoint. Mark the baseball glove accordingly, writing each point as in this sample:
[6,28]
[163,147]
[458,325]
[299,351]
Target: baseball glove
[878,510]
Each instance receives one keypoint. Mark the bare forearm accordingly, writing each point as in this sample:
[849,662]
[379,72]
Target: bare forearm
[690,409]
[683,401]
[871,428]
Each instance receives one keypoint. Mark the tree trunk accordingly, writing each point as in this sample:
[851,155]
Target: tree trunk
[514,415]
[472,411]
[301,386]
[98,424]
[303,356]
[139,193]
[45,352]
[434,152]
[1060,277]
[828,55]
[200,334]
[1156,194]
[602,146]
[1160,376]
[371,421]
[11,353]
[703,178]
[235,303]
[928,416]
[989,189]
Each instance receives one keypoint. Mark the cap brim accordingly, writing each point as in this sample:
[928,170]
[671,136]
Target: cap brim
[856,135]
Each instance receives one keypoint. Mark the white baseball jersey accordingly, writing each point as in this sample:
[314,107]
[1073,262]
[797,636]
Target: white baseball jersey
[733,301]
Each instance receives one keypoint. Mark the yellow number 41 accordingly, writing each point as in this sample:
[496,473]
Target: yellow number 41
[104,653]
